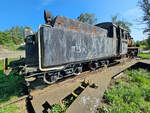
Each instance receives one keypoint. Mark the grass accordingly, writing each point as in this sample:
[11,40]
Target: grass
[67,101]
[144,47]
[13,47]
[10,109]
[16,48]
[10,89]
[58,109]
[144,55]
[130,94]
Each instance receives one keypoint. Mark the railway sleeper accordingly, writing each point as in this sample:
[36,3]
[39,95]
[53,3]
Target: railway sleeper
[69,99]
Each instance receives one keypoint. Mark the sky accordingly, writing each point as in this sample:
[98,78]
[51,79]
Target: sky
[30,12]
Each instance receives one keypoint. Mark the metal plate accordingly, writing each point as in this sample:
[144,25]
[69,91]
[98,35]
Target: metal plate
[60,46]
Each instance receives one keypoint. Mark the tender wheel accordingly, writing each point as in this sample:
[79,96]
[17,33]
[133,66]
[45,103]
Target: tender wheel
[77,70]
[50,78]
[93,66]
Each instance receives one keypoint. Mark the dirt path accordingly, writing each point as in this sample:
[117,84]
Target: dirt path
[4,52]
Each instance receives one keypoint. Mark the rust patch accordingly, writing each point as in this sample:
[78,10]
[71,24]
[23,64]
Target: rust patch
[93,30]
[75,28]
[60,21]
[78,22]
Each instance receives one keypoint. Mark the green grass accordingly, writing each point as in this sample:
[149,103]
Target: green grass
[144,47]
[144,55]
[130,94]
[67,101]
[13,47]
[10,109]
[16,48]
[10,89]
[58,109]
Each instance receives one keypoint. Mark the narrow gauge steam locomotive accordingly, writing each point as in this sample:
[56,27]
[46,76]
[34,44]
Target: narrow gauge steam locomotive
[62,47]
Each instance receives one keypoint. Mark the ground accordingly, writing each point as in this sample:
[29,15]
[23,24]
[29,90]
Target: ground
[11,52]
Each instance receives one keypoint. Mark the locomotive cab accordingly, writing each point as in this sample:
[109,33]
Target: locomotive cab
[110,27]
[123,35]
[113,32]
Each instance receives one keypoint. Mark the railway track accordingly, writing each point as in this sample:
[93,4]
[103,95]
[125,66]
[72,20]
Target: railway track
[35,88]
[52,94]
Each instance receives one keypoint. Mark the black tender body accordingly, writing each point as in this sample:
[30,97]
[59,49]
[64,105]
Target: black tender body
[64,44]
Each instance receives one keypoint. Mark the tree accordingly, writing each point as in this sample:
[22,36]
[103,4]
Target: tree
[5,38]
[12,36]
[17,34]
[87,18]
[148,42]
[145,6]
[122,23]
[143,42]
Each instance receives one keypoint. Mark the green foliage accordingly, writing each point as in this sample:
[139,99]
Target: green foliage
[5,38]
[87,18]
[148,42]
[122,23]
[143,42]
[105,109]
[144,55]
[9,109]
[67,102]
[14,36]
[130,95]
[57,109]
[145,6]
[10,89]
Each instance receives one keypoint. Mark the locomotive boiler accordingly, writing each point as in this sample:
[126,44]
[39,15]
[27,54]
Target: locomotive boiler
[63,46]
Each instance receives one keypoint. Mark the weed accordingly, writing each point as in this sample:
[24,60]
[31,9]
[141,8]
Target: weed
[10,89]
[57,109]
[9,109]
[130,95]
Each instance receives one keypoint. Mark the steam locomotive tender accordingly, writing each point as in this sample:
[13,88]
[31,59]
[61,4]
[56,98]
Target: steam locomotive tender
[62,47]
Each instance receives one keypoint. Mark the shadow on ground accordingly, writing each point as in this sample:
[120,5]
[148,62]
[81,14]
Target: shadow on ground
[21,48]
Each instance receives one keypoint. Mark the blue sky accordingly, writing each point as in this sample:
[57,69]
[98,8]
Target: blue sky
[30,12]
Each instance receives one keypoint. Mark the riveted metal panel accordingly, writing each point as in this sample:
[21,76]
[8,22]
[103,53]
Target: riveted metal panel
[61,46]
